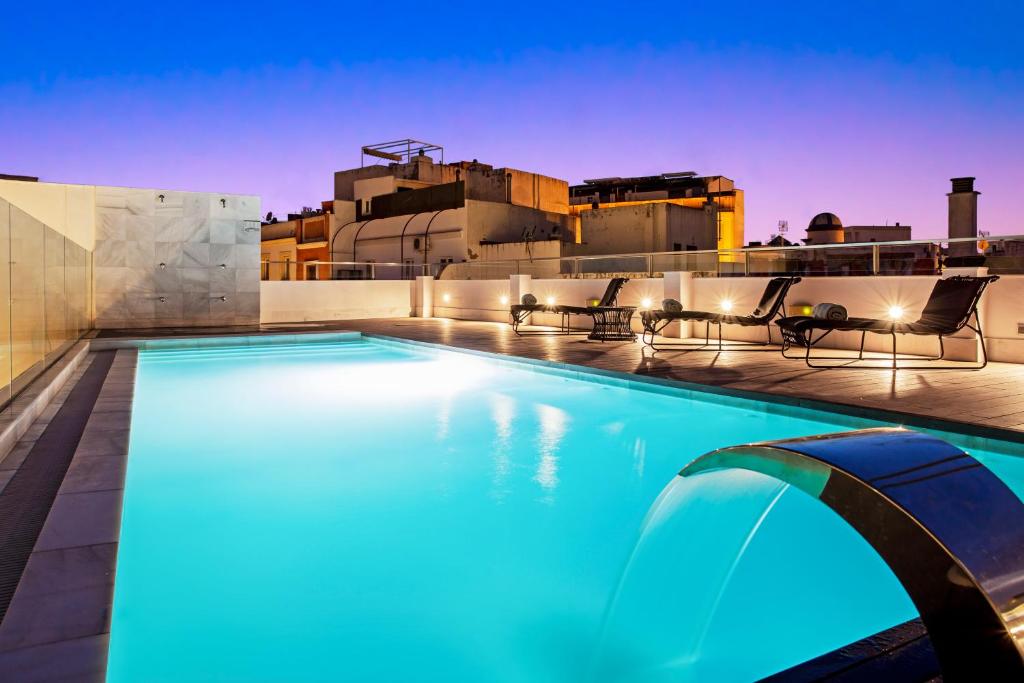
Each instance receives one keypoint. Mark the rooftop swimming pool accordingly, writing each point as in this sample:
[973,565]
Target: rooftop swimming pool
[370,510]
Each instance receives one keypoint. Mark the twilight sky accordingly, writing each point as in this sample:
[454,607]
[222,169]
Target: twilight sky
[861,108]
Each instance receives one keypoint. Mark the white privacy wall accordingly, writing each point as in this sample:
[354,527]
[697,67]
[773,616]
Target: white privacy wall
[283,301]
[167,259]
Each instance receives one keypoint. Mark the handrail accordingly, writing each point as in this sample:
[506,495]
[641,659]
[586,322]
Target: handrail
[343,263]
[747,250]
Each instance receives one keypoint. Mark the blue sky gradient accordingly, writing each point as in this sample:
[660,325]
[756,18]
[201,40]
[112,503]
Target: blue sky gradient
[865,109]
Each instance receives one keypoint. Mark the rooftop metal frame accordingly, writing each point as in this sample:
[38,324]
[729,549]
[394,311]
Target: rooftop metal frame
[398,151]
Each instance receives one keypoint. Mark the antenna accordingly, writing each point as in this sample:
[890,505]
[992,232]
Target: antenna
[783,227]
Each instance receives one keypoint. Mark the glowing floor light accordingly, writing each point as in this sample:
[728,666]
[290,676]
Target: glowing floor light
[504,301]
[726,305]
[896,313]
[550,301]
[645,302]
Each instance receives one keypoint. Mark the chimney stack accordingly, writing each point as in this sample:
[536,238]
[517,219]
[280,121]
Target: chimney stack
[963,216]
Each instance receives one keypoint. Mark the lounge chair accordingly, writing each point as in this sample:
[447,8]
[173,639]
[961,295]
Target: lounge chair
[771,305]
[950,307]
[519,312]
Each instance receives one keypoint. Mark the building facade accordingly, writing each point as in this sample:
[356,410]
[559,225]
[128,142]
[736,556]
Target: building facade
[415,216]
[423,216]
[710,207]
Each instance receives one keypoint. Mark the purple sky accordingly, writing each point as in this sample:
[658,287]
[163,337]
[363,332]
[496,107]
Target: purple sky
[870,125]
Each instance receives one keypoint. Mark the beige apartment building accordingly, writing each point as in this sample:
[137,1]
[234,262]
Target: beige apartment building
[416,216]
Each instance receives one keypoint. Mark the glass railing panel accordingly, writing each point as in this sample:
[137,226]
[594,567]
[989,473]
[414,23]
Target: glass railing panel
[638,265]
[77,287]
[6,359]
[697,262]
[1004,257]
[55,294]
[907,259]
[28,321]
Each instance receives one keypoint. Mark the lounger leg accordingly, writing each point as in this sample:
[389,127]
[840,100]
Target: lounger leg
[719,336]
[981,338]
[707,332]
[860,355]
[893,350]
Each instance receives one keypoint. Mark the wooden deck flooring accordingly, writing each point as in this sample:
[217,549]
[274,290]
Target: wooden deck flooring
[992,398]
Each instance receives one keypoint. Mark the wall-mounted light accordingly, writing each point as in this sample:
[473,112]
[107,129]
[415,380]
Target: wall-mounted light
[223,203]
[550,301]
[163,265]
[645,302]
[446,297]
[161,198]
[726,305]
[896,313]
[504,300]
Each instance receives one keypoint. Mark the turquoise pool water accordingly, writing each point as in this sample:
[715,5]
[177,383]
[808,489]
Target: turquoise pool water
[374,511]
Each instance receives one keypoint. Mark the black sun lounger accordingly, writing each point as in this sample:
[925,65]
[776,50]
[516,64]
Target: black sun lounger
[519,312]
[950,307]
[771,305]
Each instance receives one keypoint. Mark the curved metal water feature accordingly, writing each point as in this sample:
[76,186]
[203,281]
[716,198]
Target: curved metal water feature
[951,531]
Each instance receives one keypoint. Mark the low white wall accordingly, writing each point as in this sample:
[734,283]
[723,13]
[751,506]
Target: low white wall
[1002,309]
[869,297]
[472,299]
[489,299]
[576,293]
[313,300]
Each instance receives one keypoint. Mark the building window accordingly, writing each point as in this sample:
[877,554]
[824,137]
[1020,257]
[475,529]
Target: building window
[312,270]
[265,267]
[287,265]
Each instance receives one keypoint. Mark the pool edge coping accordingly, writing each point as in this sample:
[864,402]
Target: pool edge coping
[86,557]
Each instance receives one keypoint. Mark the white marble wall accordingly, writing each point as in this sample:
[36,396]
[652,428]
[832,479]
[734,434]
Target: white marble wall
[165,258]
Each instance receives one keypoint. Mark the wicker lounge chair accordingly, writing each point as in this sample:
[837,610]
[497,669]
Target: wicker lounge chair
[519,312]
[950,308]
[771,305]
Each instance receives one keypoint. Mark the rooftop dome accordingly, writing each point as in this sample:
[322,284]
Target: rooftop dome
[825,221]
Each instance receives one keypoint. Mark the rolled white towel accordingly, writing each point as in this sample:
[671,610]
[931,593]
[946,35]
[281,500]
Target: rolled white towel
[671,306]
[829,312]
[529,300]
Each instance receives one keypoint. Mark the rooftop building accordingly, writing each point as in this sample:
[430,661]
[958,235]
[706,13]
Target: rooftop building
[716,197]
[826,228]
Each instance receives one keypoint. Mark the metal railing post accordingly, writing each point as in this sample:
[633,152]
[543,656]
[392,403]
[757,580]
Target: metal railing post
[876,260]
[746,263]
[650,265]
